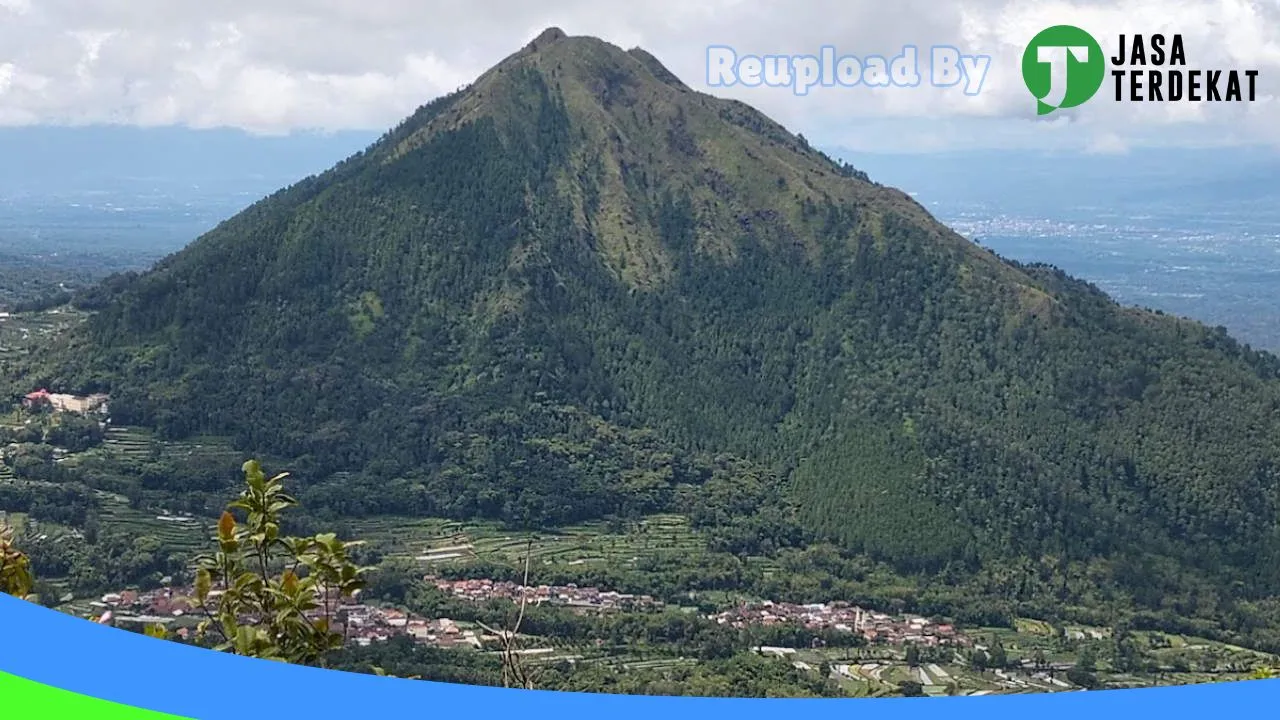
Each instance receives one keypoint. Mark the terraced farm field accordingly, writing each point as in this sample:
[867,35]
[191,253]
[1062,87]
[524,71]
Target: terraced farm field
[131,443]
[441,541]
[136,443]
[14,520]
[189,535]
[19,333]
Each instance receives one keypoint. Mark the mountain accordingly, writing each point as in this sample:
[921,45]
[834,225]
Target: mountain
[578,289]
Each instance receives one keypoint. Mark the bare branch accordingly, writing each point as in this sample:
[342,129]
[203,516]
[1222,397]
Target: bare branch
[514,674]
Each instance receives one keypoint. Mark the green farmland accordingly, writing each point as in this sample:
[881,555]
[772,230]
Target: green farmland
[437,541]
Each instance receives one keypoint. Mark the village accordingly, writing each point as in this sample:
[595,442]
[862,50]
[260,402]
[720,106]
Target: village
[364,624]
[876,627]
[173,607]
[580,598]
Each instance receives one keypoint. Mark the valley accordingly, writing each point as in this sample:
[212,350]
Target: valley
[439,583]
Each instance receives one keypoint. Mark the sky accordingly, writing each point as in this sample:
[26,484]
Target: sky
[281,66]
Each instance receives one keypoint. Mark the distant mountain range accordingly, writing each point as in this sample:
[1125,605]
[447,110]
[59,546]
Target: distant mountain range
[128,192]
[189,165]
[47,161]
[1054,183]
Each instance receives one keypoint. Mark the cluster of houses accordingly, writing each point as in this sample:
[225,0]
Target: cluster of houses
[842,617]
[362,624]
[572,596]
[62,402]
[365,624]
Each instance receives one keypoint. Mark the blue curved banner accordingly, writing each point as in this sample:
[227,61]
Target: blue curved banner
[63,652]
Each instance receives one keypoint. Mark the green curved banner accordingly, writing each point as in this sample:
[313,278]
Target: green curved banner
[23,699]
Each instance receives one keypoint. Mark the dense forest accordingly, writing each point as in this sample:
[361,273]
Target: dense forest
[577,289]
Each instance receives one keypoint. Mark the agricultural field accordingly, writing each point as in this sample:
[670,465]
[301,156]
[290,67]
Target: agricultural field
[124,443]
[1182,658]
[880,670]
[876,671]
[106,468]
[21,332]
[15,521]
[175,532]
[442,541]
[436,543]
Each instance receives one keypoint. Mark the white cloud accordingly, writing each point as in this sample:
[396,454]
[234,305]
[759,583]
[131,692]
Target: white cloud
[1107,144]
[332,64]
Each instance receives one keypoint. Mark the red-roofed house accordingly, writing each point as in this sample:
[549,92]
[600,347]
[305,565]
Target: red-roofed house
[36,399]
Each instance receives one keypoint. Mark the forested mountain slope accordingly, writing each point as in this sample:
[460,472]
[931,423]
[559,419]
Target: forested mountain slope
[578,288]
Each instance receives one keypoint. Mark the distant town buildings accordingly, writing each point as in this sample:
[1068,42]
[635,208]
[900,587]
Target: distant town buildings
[365,624]
[842,617]
[585,598]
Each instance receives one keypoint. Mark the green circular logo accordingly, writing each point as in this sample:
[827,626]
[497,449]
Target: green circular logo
[1063,67]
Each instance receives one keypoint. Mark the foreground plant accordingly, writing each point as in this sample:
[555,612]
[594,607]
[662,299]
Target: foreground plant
[515,674]
[268,596]
[15,567]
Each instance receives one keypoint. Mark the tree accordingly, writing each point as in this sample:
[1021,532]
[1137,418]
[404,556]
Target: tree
[913,655]
[1125,655]
[45,593]
[1087,661]
[998,657]
[911,688]
[979,661]
[15,567]
[392,581]
[276,597]
[1082,677]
